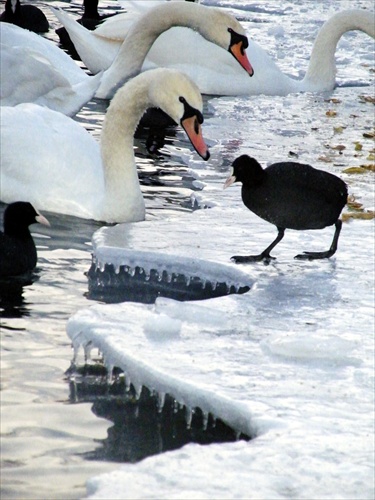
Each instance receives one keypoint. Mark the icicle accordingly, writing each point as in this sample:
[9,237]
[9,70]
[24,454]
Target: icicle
[101,266]
[205,420]
[188,279]
[132,271]
[75,353]
[169,277]
[137,389]
[213,425]
[236,287]
[203,284]
[238,435]
[161,401]
[117,269]
[214,285]
[147,275]
[160,277]
[188,417]
[87,350]
[109,373]
[127,382]
[73,390]
[176,406]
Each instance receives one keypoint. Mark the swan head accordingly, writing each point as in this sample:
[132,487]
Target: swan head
[227,32]
[179,97]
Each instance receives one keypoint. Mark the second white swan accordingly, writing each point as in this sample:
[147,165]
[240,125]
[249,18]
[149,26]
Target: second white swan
[214,70]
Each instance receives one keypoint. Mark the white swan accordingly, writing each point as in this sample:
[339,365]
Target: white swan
[218,73]
[213,24]
[53,162]
[33,69]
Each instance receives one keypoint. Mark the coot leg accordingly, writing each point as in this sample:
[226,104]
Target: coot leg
[265,255]
[328,253]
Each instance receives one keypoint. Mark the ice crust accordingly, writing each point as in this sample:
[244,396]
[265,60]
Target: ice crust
[290,363]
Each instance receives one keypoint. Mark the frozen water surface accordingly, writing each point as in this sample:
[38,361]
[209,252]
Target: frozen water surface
[291,362]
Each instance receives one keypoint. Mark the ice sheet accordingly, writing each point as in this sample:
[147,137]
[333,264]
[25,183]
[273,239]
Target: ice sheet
[290,362]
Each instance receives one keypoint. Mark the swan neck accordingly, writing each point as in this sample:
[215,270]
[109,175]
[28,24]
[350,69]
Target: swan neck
[123,192]
[143,33]
[140,38]
[321,73]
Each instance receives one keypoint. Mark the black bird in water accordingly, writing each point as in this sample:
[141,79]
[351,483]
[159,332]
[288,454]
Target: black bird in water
[17,248]
[290,195]
[28,17]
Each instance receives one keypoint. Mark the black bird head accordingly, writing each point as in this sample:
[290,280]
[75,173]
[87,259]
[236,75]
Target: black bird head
[19,216]
[246,170]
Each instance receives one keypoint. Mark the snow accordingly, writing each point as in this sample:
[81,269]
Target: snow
[289,363]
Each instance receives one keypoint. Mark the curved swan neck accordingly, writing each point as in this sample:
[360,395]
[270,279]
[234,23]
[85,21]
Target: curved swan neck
[117,141]
[321,72]
[143,34]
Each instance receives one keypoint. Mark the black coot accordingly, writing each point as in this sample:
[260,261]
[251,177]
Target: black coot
[290,195]
[28,17]
[17,248]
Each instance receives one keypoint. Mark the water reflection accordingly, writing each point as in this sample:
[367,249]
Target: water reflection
[142,428]
[12,301]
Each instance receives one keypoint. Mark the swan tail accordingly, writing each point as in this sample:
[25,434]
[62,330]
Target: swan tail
[96,52]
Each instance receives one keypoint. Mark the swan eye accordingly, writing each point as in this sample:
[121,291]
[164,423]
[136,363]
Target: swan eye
[189,111]
[196,126]
[238,39]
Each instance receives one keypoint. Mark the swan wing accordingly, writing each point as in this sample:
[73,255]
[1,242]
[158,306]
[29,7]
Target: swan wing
[116,27]
[37,80]
[13,36]
[217,72]
[28,81]
[69,100]
[49,160]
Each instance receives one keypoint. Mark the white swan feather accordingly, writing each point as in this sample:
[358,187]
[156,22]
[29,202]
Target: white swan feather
[33,69]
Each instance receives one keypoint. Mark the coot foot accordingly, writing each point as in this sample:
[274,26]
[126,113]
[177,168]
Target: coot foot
[314,255]
[243,259]
[328,253]
[265,255]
